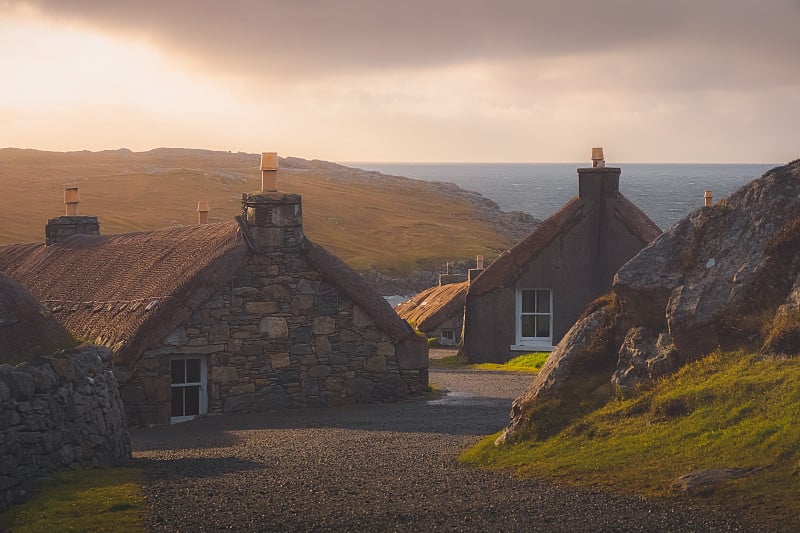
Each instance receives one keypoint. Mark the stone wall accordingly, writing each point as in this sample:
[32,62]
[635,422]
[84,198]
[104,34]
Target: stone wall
[56,412]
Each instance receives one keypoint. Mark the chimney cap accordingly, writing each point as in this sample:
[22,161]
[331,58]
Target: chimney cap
[202,206]
[71,195]
[269,161]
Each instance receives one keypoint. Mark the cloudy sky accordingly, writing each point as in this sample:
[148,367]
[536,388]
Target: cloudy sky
[417,80]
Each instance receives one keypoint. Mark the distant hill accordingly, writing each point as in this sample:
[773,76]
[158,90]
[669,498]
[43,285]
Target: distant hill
[371,220]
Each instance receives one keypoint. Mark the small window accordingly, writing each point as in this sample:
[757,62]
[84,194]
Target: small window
[534,316]
[188,388]
[448,334]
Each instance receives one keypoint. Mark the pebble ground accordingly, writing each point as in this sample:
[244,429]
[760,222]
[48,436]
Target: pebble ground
[390,467]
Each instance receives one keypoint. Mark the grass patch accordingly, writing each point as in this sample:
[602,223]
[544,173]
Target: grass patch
[728,410]
[451,361]
[529,362]
[108,500]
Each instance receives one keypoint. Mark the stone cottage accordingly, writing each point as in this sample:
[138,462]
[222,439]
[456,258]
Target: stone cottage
[438,312]
[533,293]
[231,317]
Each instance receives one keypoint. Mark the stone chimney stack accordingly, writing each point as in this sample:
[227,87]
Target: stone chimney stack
[472,273]
[708,199]
[598,182]
[202,212]
[275,219]
[60,228]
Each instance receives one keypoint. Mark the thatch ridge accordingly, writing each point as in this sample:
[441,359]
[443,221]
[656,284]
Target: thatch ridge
[511,262]
[125,290]
[27,328]
[431,307]
[335,271]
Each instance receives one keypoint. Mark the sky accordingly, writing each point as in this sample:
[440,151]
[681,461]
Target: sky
[417,80]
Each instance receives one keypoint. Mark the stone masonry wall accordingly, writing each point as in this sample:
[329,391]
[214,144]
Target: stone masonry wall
[56,412]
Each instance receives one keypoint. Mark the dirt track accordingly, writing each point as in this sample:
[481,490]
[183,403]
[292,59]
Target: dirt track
[375,468]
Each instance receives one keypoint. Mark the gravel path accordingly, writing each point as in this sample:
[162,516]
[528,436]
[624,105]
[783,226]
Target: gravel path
[386,467]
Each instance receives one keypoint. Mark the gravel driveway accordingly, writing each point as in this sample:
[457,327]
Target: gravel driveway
[389,467]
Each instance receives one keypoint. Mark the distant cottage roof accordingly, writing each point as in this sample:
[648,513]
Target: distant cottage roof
[511,263]
[433,306]
[128,291]
[26,327]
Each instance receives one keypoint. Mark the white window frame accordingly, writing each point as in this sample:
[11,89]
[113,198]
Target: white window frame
[203,383]
[539,344]
[452,333]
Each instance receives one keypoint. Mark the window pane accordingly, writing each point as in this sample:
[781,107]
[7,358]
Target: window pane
[542,301]
[542,326]
[177,401]
[528,326]
[193,371]
[178,371]
[528,301]
[192,396]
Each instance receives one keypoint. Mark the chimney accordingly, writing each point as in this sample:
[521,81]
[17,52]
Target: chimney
[598,161]
[274,219]
[269,171]
[71,200]
[202,212]
[708,199]
[472,273]
[599,181]
[447,278]
[60,228]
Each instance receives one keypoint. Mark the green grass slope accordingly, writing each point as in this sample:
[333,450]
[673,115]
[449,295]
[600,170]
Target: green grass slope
[728,410]
[368,219]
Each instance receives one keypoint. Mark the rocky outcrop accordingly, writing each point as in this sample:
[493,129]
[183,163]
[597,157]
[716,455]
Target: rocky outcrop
[56,412]
[725,277]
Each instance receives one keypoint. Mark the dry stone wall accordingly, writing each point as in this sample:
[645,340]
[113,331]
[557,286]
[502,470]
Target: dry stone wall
[56,412]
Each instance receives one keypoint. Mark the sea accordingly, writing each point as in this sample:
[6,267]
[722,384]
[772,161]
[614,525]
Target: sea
[667,192]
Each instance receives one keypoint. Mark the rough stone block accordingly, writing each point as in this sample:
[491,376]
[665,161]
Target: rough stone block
[274,327]
[245,388]
[319,371]
[224,374]
[302,304]
[322,345]
[262,308]
[280,360]
[248,293]
[375,364]
[324,325]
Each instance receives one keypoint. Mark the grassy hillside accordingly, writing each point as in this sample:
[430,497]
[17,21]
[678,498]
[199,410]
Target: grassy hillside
[370,220]
[728,410]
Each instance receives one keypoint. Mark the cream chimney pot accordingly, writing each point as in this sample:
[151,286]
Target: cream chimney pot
[269,171]
[202,212]
[598,160]
[708,199]
[71,200]
[479,262]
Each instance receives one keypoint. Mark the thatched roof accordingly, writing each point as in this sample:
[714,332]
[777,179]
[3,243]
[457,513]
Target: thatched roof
[125,291]
[433,306]
[27,328]
[511,263]
[128,291]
